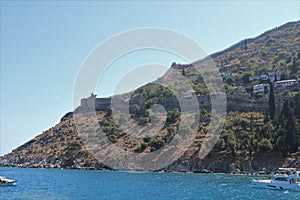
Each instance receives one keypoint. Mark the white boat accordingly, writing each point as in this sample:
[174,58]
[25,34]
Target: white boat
[5,181]
[279,182]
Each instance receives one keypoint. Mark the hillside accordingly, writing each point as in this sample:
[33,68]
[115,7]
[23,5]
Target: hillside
[259,133]
[276,50]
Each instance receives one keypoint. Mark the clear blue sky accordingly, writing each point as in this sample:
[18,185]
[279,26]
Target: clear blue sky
[43,44]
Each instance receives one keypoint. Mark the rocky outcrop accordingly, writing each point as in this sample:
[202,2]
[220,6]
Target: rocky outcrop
[59,147]
[217,162]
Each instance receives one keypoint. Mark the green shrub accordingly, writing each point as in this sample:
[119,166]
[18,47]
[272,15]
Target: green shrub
[220,145]
[113,138]
[143,120]
[75,145]
[170,129]
[157,144]
[147,139]
[173,115]
[143,146]
[264,145]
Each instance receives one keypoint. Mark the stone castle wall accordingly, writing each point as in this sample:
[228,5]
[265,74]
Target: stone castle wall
[235,102]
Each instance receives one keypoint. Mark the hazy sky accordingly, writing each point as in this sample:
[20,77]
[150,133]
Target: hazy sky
[44,43]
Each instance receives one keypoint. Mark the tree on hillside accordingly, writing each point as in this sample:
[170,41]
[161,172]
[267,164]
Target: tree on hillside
[264,145]
[93,95]
[272,102]
[294,66]
[109,112]
[183,72]
[246,76]
[266,116]
[297,105]
[173,115]
[292,133]
[288,135]
[267,130]
[286,109]
[280,143]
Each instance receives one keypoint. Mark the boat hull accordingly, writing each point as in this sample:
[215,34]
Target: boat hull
[269,184]
[8,184]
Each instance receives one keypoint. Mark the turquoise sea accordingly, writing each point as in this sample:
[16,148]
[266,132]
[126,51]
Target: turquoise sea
[110,185]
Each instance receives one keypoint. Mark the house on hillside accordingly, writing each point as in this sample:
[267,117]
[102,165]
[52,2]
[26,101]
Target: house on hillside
[263,77]
[275,75]
[291,84]
[253,78]
[272,76]
[225,75]
[189,94]
[240,89]
[261,88]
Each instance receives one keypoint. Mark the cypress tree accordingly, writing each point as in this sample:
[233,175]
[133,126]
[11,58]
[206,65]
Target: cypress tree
[292,133]
[266,116]
[272,102]
[297,105]
[183,72]
[286,109]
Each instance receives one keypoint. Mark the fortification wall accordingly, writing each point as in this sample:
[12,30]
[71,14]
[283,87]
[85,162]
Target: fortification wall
[235,102]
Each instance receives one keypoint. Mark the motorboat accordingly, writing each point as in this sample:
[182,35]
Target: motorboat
[6,182]
[279,181]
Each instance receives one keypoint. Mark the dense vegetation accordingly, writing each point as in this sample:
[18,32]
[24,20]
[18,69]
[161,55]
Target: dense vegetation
[247,133]
[244,133]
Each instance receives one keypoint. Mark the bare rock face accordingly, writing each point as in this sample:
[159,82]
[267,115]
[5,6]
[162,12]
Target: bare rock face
[67,116]
[293,161]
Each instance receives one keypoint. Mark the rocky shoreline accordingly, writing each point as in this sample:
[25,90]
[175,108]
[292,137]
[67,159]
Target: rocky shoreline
[204,171]
[182,165]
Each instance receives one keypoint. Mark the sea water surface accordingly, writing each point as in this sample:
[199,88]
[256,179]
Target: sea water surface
[110,185]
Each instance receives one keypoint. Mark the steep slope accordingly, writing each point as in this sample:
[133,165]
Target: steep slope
[250,141]
[276,49]
[58,147]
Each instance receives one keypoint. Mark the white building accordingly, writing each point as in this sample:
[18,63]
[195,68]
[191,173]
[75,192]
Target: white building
[261,88]
[275,75]
[189,94]
[253,78]
[263,77]
[286,83]
[241,89]
[225,75]
[272,76]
